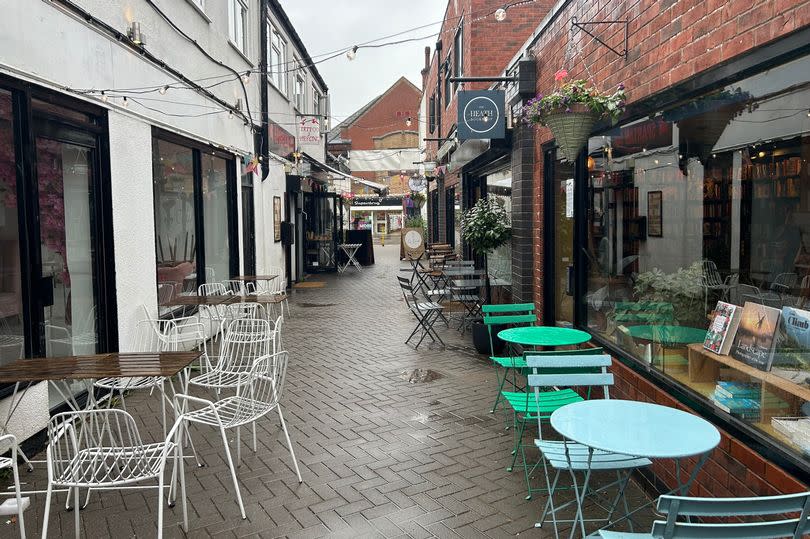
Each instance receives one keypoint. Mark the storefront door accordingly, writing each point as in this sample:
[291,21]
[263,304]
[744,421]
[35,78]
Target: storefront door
[57,292]
[562,275]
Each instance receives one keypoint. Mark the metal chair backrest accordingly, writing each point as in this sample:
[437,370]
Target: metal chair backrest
[784,282]
[244,309]
[277,344]
[266,385]
[409,294]
[166,291]
[151,336]
[235,286]
[212,289]
[511,314]
[749,292]
[244,341]
[735,509]
[570,369]
[711,275]
[99,439]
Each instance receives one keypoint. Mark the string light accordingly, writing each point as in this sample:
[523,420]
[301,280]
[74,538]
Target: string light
[125,103]
[408,122]
[351,53]
[163,90]
[500,14]
[246,77]
[103,96]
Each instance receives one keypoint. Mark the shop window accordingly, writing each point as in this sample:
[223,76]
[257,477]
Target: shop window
[193,210]
[499,185]
[710,201]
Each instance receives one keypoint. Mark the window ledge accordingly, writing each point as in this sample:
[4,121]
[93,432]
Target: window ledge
[200,11]
[277,89]
[244,56]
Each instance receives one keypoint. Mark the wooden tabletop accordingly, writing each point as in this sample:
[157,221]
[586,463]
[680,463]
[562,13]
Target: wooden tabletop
[96,366]
[255,277]
[179,301]
[263,298]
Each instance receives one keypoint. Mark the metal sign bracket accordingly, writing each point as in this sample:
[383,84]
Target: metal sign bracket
[584,27]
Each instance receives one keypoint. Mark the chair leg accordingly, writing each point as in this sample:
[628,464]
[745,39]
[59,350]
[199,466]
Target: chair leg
[160,507]
[183,478]
[48,495]
[76,510]
[233,472]
[549,508]
[289,444]
[15,473]
[253,426]
[501,382]
[518,443]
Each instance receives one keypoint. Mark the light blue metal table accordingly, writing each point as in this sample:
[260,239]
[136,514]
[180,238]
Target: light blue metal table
[639,429]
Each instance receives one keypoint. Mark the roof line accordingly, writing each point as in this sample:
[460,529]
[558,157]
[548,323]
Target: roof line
[275,6]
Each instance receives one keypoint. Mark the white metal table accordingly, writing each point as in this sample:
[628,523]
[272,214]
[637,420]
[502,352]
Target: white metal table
[638,429]
[351,250]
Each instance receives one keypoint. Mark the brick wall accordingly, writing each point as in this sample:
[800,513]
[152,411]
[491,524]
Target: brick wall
[389,114]
[669,42]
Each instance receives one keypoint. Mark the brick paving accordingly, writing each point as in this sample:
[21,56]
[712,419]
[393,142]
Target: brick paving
[380,457]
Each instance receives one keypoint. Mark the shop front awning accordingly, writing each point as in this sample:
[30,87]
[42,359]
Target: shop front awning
[379,187]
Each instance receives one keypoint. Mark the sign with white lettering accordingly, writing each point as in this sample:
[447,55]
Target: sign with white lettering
[481,115]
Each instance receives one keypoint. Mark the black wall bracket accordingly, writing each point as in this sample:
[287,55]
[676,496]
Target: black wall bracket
[584,27]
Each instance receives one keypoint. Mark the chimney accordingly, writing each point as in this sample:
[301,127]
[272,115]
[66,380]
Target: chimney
[426,69]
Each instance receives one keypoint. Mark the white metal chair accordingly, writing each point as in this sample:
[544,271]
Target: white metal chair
[18,502]
[711,280]
[257,394]
[572,457]
[744,518]
[214,313]
[236,286]
[102,448]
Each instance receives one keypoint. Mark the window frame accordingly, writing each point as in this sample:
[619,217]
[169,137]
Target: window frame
[232,26]
[316,101]
[299,83]
[277,47]
[458,54]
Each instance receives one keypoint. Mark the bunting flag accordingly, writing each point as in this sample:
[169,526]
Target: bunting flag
[252,166]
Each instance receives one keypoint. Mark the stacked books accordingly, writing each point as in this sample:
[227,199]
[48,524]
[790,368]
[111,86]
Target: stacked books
[746,401]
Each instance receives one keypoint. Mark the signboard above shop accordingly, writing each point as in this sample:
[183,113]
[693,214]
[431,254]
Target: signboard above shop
[481,115]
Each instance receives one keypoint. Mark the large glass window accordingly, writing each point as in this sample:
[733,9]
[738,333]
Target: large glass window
[12,345]
[175,218]
[215,216]
[499,185]
[458,53]
[710,201]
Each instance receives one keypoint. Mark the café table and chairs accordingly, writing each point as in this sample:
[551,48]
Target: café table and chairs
[257,284]
[598,433]
[350,250]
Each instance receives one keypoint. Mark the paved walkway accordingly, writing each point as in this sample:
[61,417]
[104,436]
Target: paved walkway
[380,457]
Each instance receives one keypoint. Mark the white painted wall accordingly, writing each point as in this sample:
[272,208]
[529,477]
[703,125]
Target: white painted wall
[268,251]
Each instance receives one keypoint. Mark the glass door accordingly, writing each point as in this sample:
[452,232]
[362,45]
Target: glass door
[66,167]
[563,186]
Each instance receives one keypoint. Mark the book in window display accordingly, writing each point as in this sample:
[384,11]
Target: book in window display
[792,353]
[720,335]
[756,335]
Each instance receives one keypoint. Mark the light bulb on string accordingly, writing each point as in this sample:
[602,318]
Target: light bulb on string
[486,117]
[104,97]
[125,103]
[352,53]
[408,122]
[163,90]
[246,77]
[500,14]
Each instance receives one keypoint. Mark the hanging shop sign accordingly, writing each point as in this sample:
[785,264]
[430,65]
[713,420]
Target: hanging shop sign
[282,143]
[481,115]
[309,136]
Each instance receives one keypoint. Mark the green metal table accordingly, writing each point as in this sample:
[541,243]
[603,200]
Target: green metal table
[544,336]
[669,336]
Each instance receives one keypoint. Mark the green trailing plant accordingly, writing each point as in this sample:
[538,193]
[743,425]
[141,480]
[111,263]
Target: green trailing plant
[485,227]
[418,199]
[569,95]
[682,289]
[417,221]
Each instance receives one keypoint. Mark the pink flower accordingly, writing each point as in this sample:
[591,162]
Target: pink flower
[560,75]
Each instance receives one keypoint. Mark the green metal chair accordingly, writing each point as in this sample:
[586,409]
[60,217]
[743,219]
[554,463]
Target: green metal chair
[744,518]
[528,408]
[511,314]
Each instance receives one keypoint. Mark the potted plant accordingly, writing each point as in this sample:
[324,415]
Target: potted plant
[571,110]
[485,227]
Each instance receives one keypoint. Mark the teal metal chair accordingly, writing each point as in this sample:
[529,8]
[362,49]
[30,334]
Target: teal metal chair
[793,520]
[527,406]
[514,315]
[583,371]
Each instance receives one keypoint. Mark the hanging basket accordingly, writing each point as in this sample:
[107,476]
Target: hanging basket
[571,129]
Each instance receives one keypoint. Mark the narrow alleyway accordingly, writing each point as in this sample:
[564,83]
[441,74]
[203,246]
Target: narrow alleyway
[380,457]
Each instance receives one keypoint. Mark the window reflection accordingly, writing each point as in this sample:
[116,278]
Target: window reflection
[705,202]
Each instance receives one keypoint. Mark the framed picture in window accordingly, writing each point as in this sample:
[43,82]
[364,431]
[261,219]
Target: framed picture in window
[655,225]
[277,219]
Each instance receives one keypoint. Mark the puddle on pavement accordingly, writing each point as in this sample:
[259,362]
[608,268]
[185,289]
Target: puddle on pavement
[419,376]
[314,305]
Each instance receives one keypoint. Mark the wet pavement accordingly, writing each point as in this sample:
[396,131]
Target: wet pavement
[392,442]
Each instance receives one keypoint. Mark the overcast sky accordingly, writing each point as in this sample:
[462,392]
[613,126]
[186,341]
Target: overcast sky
[326,25]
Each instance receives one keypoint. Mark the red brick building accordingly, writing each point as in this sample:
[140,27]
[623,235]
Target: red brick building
[473,43]
[379,143]
[700,192]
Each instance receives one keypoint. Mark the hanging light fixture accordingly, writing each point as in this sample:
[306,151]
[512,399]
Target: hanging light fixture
[500,14]
[104,97]
[246,77]
[134,33]
[408,122]
[352,53]
[125,103]
[163,90]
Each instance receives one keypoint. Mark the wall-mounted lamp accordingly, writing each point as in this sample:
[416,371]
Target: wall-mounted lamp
[135,34]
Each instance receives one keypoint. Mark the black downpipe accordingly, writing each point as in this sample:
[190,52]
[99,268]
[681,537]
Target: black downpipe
[263,147]
[439,106]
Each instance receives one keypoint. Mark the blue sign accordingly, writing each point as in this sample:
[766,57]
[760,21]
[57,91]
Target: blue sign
[481,115]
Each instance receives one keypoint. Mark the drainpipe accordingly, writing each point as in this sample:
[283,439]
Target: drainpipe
[263,148]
